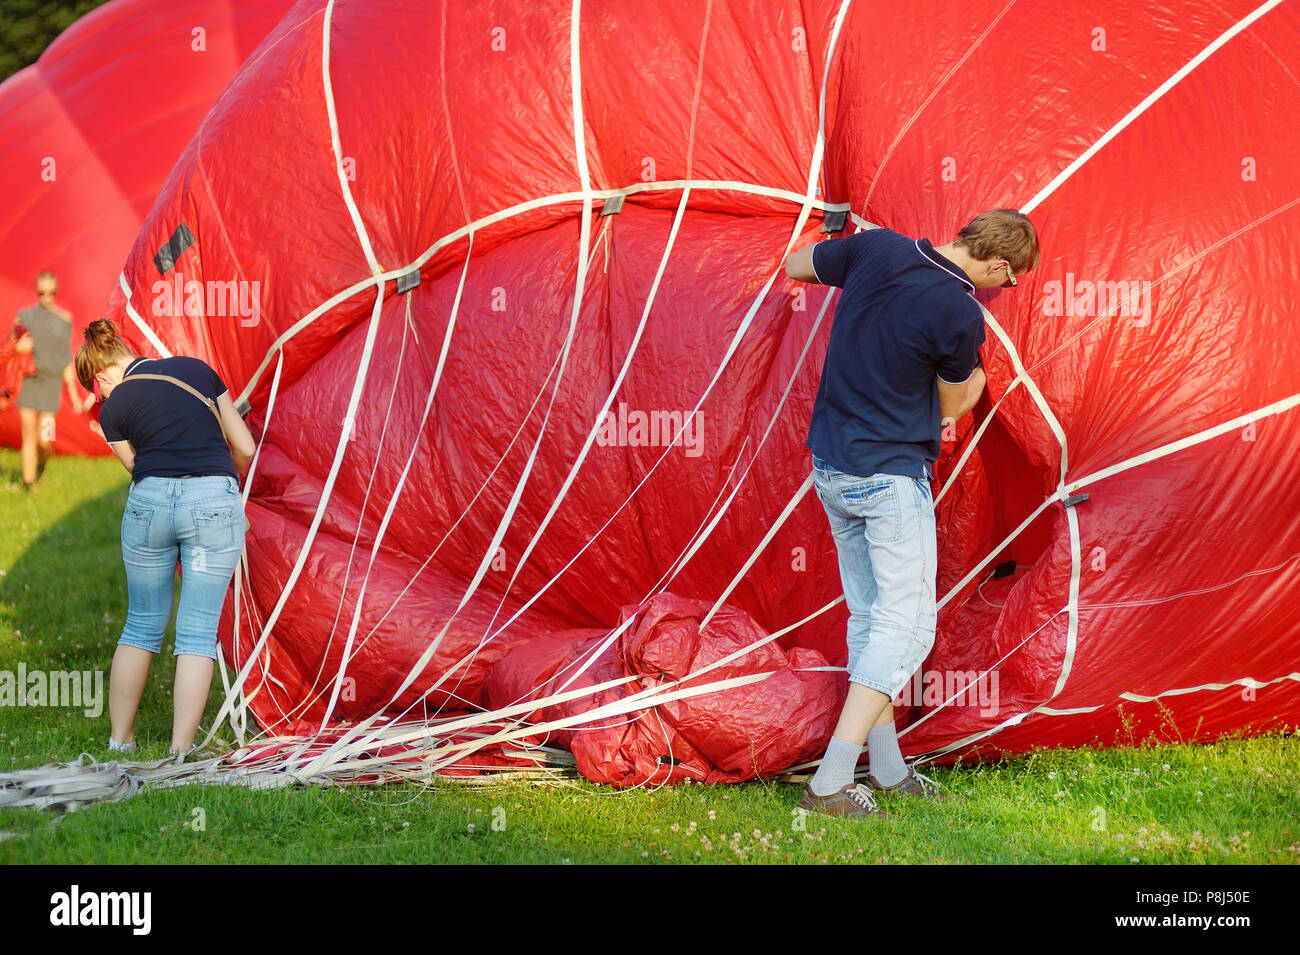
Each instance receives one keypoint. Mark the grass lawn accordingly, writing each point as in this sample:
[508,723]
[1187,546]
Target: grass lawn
[63,601]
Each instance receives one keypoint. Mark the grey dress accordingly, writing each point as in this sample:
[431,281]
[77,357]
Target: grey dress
[52,350]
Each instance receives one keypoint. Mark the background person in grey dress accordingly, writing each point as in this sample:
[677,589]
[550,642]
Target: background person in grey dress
[49,340]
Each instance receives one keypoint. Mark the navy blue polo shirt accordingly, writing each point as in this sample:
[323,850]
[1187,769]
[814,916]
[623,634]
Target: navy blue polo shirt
[172,432]
[906,314]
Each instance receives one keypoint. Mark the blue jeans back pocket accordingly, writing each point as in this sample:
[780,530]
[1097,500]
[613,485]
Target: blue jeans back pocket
[877,504]
[214,527]
[135,525]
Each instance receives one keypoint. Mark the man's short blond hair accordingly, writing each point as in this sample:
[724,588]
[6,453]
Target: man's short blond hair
[1001,234]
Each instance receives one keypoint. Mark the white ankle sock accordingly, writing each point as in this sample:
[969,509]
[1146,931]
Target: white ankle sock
[836,770]
[887,764]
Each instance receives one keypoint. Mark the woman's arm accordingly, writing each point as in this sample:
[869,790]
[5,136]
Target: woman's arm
[125,453]
[237,434]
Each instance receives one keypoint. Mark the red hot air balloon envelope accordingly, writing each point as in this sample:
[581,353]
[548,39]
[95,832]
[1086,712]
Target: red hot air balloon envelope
[88,134]
[531,387]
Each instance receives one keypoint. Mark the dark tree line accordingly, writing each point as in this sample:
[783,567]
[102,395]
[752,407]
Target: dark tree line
[27,27]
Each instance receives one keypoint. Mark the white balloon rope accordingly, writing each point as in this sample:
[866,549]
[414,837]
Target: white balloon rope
[584,178]
[807,201]
[392,503]
[361,515]
[707,530]
[239,703]
[510,212]
[717,375]
[485,563]
[463,664]
[340,449]
[376,270]
[1142,107]
[734,344]
[599,419]
[490,553]
[1192,256]
[911,120]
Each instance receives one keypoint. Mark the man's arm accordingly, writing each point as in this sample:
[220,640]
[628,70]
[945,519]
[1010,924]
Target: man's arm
[799,265]
[956,400]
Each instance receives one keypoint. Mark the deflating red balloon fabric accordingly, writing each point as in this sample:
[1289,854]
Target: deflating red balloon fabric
[88,134]
[531,387]
[725,735]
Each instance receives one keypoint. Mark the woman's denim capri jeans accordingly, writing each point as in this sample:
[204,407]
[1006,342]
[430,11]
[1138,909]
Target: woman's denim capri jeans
[198,520]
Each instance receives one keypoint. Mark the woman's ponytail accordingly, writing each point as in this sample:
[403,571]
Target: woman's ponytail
[103,347]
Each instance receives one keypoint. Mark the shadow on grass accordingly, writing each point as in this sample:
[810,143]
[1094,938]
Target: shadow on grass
[63,602]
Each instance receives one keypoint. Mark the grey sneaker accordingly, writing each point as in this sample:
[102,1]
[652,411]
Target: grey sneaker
[852,800]
[115,747]
[913,784]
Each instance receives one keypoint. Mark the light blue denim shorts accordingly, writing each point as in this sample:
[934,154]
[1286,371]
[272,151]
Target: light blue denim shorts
[198,521]
[884,532]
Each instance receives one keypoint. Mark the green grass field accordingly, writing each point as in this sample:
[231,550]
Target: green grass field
[63,601]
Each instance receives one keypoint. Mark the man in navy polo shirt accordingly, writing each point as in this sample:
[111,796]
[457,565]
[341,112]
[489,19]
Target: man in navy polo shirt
[903,356]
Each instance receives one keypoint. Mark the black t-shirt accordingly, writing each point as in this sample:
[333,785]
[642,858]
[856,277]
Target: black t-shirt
[173,433]
[906,315]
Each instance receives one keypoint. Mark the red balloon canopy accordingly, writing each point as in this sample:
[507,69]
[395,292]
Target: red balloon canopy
[503,286]
[88,135]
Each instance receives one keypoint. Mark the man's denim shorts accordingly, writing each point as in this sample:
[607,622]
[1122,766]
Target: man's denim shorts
[884,532]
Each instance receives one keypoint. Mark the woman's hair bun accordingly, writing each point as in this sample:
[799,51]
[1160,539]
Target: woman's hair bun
[103,347]
[101,333]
